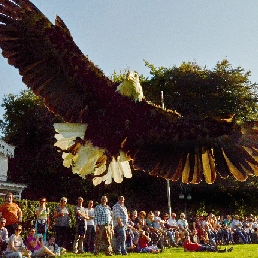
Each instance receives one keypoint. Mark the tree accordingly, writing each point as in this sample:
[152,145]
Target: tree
[28,125]
[197,92]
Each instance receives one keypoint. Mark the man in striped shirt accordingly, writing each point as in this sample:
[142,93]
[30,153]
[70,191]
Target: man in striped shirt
[120,220]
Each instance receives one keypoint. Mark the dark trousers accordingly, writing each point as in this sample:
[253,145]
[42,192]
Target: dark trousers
[90,238]
[62,233]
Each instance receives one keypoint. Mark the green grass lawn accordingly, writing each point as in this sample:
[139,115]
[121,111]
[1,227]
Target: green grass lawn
[242,251]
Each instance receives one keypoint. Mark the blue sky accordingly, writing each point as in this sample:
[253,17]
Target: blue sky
[119,34]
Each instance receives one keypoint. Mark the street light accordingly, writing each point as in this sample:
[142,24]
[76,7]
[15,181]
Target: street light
[187,197]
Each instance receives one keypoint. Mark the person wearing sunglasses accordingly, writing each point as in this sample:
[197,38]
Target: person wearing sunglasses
[16,247]
[62,223]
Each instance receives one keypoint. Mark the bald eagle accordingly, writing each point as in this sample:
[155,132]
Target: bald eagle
[111,120]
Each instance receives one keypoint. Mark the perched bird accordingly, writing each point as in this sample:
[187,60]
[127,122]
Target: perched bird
[110,118]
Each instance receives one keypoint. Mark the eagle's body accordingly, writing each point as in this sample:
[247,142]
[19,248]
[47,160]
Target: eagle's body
[119,128]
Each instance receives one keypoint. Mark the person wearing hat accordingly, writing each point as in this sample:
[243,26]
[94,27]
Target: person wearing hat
[62,218]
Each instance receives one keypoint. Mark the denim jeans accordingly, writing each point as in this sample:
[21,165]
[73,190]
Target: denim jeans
[120,239]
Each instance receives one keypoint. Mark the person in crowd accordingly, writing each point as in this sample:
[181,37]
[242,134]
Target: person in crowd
[91,232]
[3,235]
[143,243]
[172,222]
[120,220]
[134,222]
[182,227]
[227,235]
[16,247]
[52,246]
[195,247]
[237,229]
[62,217]
[194,237]
[42,221]
[157,220]
[152,232]
[168,231]
[81,226]
[142,221]
[35,244]
[103,223]
[11,212]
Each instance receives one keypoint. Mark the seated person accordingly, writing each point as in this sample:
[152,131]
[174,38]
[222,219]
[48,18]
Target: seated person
[3,235]
[53,247]
[36,245]
[195,247]
[16,247]
[142,243]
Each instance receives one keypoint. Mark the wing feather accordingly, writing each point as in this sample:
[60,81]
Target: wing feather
[159,141]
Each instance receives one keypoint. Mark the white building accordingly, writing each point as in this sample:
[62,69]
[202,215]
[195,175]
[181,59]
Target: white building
[7,151]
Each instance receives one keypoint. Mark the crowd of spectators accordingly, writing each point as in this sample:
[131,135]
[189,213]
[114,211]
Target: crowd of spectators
[116,230]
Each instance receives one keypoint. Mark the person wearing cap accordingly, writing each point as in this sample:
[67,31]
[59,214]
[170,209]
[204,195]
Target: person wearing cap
[103,222]
[120,220]
[62,225]
[81,224]
[11,212]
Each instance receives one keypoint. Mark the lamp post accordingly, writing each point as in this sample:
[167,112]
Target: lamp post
[186,198]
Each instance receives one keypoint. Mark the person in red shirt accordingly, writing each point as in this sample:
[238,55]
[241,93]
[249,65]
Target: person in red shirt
[195,247]
[11,212]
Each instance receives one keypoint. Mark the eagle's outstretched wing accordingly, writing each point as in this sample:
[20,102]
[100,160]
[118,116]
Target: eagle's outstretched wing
[158,141]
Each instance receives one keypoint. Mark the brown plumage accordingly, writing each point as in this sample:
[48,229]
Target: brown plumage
[159,142]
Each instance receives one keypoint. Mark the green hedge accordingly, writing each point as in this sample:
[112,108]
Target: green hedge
[29,213]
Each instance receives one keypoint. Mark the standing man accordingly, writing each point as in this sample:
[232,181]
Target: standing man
[11,212]
[120,218]
[81,224]
[62,223]
[91,232]
[103,222]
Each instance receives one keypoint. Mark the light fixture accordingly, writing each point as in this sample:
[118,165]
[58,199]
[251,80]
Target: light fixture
[189,197]
[181,196]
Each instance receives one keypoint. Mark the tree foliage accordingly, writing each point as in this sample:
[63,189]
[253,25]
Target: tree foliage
[197,92]
[191,90]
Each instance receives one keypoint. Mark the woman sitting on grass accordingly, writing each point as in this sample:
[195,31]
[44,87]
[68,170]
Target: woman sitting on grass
[142,243]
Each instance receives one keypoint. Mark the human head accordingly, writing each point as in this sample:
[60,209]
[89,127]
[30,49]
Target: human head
[142,214]
[90,204]
[18,228]
[32,231]
[63,200]
[182,215]
[173,215]
[2,222]
[104,199]
[121,199]
[80,199]
[165,216]
[42,200]
[9,197]
[157,213]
